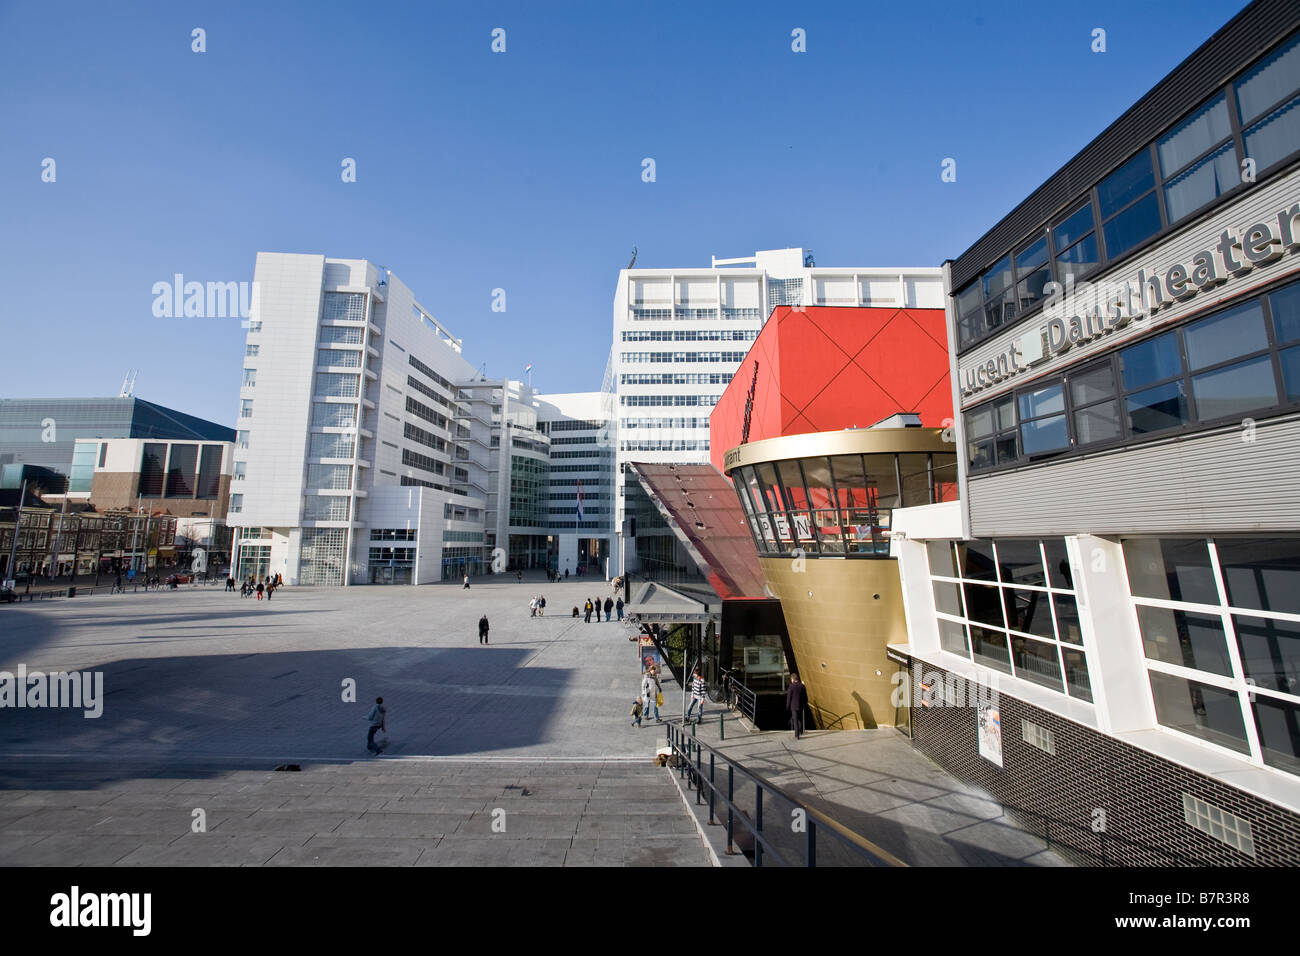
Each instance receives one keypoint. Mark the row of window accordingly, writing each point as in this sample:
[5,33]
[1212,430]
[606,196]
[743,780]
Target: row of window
[1254,121]
[424,411]
[336,358]
[671,401]
[691,335]
[670,357]
[341,335]
[392,534]
[665,445]
[663,423]
[428,439]
[344,306]
[1218,368]
[1010,604]
[570,425]
[675,378]
[838,505]
[421,367]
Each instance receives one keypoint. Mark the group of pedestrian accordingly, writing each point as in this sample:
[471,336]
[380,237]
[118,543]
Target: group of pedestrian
[537,607]
[252,585]
[610,606]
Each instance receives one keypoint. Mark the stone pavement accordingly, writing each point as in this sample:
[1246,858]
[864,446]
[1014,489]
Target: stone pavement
[405,812]
[206,692]
[879,786]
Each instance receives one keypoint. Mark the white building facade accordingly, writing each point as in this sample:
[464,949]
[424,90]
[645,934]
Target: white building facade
[680,335]
[352,462]
[581,469]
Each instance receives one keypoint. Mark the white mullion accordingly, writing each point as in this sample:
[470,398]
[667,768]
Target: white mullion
[1234,655]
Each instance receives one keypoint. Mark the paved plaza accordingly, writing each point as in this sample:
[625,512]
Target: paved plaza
[516,753]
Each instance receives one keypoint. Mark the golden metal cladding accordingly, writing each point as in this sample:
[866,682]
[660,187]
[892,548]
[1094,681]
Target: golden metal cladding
[850,441]
[840,614]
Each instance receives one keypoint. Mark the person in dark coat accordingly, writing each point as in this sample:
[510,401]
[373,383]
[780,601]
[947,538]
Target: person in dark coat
[796,699]
[587,608]
[483,629]
[609,607]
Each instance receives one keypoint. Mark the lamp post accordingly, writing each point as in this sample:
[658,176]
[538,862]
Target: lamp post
[13,546]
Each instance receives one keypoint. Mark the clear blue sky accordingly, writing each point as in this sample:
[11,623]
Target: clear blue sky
[519,170]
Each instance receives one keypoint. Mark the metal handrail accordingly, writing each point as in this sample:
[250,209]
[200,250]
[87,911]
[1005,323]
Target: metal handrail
[828,724]
[744,699]
[683,745]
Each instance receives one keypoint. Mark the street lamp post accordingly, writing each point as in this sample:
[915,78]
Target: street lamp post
[13,547]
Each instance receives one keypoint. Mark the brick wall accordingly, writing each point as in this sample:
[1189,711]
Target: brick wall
[1141,794]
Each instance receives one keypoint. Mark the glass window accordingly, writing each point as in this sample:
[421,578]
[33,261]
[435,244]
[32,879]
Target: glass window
[1236,389]
[103,453]
[977,560]
[1285,306]
[989,647]
[1067,618]
[1226,336]
[250,376]
[1196,134]
[1209,713]
[1290,361]
[946,598]
[1092,385]
[1020,562]
[850,484]
[915,470]
[1029,611]
[1155,409]
[209,482]
[1171,569]
[1273,80]
[1140,221]
[1261,574]
[1270,652]
[999,300]
[1044,435]
[1275,137]
[1033,273]
[1042,401]
[1125,184]
[1076,674]
[1079,259]
[1185,638]
[942,559]
[952,637]
[241,439]
[1074,228]
[1037,662]
[882,480]
[983,604]
[246,408]
[1279,741]
[1151,361]
[151,470]
[1207,180]
[1099,423]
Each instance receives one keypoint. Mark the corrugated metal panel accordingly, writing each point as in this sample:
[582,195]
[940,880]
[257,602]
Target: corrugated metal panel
[1212,482]
[1260,204]
[1225,54]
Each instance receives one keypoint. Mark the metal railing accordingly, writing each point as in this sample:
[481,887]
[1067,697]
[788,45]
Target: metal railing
[742,699]
[792,840]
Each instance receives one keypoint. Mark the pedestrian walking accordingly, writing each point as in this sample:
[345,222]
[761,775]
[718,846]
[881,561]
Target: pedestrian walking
[597,610]
[609,606]
[697,696]
[519,576]
[657,695]
[467,582]
[566,574]
[532,608]
[117,584]
[483,629]
[587,608]
[230,583]
[619,607]
[796,698]
[378,720]
[260,588]
[270,589]
[647,696]
[541,605]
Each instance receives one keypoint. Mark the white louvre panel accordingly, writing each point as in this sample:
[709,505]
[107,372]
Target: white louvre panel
[695,292]
[1211,482]
[741,293]
[1259,205]
[835,290]
[652,292]
[878,293]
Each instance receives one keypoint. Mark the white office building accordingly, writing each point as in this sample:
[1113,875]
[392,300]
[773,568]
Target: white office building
[680,335]
[580,494]
[353,455]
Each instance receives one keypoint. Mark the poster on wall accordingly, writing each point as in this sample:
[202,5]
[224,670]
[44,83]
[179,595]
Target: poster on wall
[990,733]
